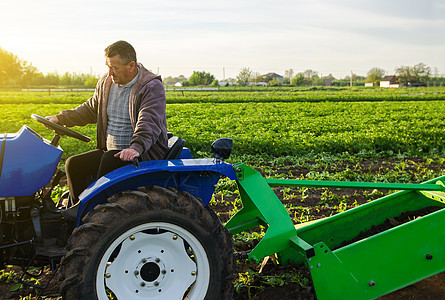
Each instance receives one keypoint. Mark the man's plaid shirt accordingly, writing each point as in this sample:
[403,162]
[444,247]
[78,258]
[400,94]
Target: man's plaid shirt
[119,129]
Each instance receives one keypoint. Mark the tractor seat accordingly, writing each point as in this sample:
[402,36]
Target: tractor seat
[175,145]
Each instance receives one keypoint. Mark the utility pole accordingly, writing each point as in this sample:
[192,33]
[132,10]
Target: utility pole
[351,77]
[224,73]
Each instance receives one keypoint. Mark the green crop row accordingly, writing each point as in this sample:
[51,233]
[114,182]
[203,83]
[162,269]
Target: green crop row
[309,95]
[233,96]
[280,129]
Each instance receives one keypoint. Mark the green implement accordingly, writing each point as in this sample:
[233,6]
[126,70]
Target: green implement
[344,264]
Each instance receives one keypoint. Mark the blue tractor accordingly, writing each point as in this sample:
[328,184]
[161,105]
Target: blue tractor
[141,231]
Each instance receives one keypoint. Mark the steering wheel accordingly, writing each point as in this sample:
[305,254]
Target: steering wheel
[60,130]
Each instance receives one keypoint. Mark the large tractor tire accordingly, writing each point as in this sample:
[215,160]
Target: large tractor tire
[149,244]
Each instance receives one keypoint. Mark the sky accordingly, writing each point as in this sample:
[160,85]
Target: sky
[178,37]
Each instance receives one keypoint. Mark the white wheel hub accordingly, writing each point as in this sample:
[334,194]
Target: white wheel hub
[156,261]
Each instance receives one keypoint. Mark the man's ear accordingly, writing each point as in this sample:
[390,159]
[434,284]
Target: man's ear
[132,65]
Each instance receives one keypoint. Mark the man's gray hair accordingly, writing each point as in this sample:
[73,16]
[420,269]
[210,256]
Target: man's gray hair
[124,50]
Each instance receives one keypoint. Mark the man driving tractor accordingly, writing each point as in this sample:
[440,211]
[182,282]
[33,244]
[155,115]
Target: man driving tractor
[128,106]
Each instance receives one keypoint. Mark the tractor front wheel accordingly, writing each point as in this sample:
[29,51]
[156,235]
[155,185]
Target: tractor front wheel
[156,244]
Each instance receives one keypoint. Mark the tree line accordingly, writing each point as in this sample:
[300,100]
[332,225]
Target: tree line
[15,72]
[419,74]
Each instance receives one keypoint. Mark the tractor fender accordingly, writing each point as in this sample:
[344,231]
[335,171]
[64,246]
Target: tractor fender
[27,163]
[195,176]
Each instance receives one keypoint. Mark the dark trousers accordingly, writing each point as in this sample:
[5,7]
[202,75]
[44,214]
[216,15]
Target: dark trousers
[82,169]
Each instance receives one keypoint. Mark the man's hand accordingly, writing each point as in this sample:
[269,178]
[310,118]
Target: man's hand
[53,119]
[127,154]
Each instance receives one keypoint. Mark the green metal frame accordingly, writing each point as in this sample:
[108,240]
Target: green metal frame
[365,269]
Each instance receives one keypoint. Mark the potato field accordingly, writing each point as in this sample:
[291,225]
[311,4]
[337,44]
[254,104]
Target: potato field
[341,134]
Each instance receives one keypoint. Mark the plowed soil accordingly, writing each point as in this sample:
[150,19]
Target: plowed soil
[430,288]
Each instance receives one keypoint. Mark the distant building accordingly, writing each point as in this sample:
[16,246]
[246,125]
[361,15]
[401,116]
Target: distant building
[390,81]
[273,76]
[327,81]
[416,84]
[226,83]
[369,84]
[261,83]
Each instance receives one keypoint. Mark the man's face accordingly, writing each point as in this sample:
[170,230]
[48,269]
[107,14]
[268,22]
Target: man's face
[119,72]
